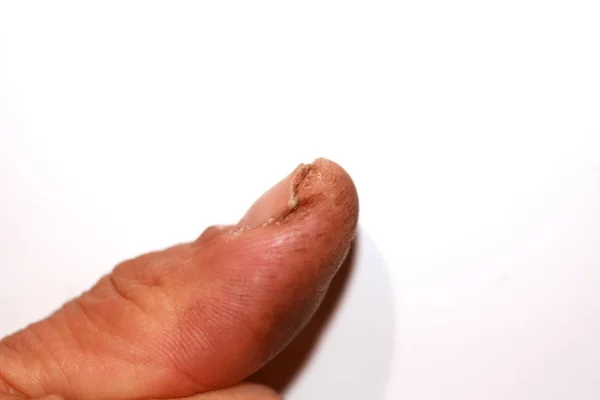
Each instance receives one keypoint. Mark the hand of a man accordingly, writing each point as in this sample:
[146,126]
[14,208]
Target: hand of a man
[200,317]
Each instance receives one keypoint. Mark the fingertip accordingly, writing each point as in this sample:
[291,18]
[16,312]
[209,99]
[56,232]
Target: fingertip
[272,273]
[320,187]
[317,222]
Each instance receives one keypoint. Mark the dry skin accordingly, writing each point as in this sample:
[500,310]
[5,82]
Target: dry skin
[197,316]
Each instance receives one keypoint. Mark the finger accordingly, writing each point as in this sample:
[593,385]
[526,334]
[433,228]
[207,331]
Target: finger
[198,316]
[246,391]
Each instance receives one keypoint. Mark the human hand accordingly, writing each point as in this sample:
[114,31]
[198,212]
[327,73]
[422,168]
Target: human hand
[198,318]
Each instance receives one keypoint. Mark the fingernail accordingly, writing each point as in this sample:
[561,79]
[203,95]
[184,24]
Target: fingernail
[277,201]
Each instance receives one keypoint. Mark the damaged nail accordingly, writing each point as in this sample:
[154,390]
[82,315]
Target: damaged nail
[278,201]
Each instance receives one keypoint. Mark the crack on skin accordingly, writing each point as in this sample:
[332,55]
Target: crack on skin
[300,175]
[293,202]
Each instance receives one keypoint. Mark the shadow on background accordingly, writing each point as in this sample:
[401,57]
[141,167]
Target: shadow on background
[346,349]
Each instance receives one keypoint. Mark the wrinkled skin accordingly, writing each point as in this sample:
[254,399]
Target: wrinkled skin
[198,318]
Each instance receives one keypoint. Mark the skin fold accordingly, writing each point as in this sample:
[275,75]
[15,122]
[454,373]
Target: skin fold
[198,317]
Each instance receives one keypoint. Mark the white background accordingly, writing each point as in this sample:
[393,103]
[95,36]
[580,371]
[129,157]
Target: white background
[470,128]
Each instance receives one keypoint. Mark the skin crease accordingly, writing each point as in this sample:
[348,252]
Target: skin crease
[198,317]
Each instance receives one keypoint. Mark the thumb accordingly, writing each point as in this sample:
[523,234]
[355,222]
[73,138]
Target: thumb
[198,316]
